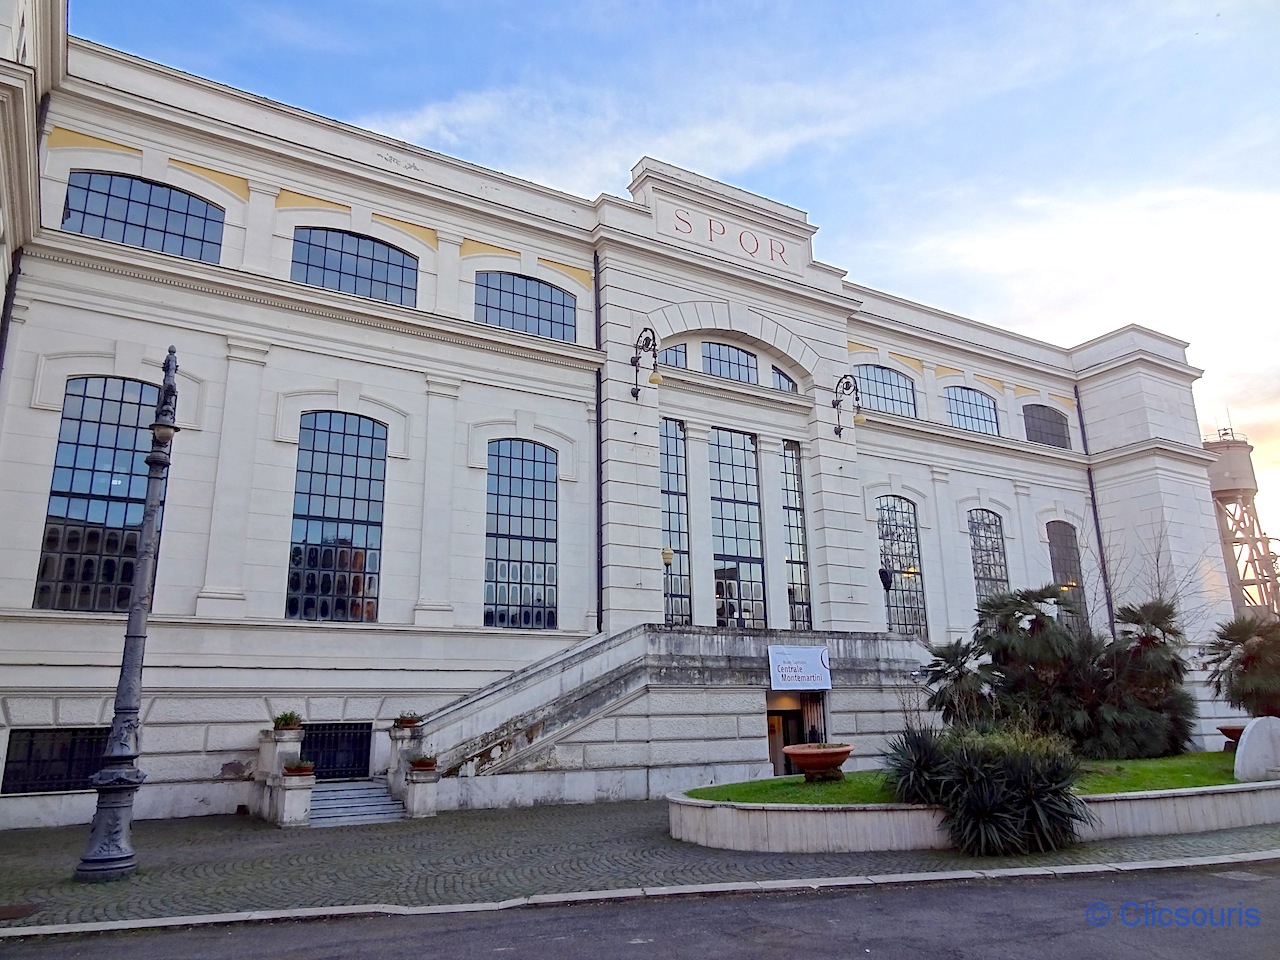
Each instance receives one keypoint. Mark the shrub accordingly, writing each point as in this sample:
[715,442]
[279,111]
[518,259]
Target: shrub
[289,720]
[914,763]
[1244,662]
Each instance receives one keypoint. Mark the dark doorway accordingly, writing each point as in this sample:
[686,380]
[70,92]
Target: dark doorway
[340,750]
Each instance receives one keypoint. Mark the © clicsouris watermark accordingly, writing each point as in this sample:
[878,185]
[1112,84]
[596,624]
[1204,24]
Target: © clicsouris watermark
[1149,913]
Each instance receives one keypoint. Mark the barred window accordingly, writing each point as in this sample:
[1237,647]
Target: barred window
[677,585]
[125,209]
[522,303]
[677,356]
[97,495]
[1064,560]
[971,409]
[797,540]
[1046,425]
[736,540]
[356,264]
[986,544]
[53,760]
[782,382]
[334,559]
[900,555]
[520,564]
[885,390]
[723,360]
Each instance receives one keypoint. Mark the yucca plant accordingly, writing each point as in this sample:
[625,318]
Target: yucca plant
[914,763]
[1244,662]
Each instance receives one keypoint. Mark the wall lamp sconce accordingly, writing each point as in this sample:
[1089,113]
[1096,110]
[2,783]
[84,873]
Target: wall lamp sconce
[886,579]
[647,342]
[910,573]
[1068,586]
[848,385]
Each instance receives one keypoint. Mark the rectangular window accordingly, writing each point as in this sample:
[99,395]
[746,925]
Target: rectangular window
[797,542]
[986,545]
[520,566]
[677,582]
[900,558]
[47,761]
[1064,560]
[736,539]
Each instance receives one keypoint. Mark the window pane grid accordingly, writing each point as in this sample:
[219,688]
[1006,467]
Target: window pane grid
[797,545]
[45,761]
[900,555]
[677,356]
[521,581]
[140,213]
[335,556]
[986,544]
[734,363]
[736,538]
[970,409]
[885,390]
[677,584]
[1064,560]
[355,264]
[521,303]
[1046,425]
[782,382]
[97,496]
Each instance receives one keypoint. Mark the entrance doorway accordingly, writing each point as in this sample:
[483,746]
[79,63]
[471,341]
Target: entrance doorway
[794,717]
[340,750]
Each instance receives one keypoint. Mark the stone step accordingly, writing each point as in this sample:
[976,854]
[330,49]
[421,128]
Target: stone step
[344,803]
[348,821]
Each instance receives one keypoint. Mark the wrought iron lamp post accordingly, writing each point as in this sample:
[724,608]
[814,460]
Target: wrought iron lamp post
[847,385]
[110,855]
[647,342]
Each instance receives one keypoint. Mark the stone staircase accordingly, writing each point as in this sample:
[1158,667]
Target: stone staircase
[341,803]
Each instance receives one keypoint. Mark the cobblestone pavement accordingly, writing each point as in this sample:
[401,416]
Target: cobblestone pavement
[209,865]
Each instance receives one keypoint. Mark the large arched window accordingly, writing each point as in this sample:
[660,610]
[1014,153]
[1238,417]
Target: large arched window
[900,556]
[971,409]
[96,499]
[522,303]
[986,544]
[885,390]
[1064,560]
[1046,425]
[334,559]
[726,360]
[353,263]
[520,563]
[115,206]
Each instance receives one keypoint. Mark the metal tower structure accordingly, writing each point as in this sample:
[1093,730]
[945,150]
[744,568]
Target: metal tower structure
[1251,564]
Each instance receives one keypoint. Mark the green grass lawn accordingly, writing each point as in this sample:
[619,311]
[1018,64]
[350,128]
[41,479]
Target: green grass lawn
[1097,776]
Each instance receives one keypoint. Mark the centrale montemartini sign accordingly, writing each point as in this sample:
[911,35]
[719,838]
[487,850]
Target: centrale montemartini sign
[799,668]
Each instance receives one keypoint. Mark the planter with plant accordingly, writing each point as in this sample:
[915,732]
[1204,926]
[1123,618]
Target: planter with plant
[299,768]
[422,762]
[289,720]
[408,718]
[819,761]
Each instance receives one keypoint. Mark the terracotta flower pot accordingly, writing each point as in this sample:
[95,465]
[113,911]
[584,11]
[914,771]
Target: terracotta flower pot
[407,721]
[819,761]
[425,765]
[299,770]
[1233,733]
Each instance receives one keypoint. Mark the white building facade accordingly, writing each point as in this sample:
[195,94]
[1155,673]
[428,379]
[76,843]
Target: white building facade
[422,465]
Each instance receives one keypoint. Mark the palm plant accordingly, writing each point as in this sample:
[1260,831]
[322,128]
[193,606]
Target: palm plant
[962,681]
[1244,661]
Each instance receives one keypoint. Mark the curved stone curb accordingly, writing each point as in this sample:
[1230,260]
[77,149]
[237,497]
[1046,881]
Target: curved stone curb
[637,893]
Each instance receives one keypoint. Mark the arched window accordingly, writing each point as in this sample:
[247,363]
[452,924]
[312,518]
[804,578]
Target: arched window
[97,495]
[737,542]
[677,581]
[353,263]
[885,390]
[900,556]
[986,544]
[1064,560]
[1046,425]
[782,382]
[334,559]
[522,303]
[734,363]
[520,564]
[971,409]
[116,206]
[676,356]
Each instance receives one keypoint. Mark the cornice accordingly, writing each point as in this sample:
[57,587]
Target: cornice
[1182,371]
[693,382]
[1154,447]
[927,431]
[20,196]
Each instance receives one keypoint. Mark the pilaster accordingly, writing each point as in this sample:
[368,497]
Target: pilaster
[435,564]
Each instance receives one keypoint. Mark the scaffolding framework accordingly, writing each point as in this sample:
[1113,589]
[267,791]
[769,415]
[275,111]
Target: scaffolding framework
[1251,563]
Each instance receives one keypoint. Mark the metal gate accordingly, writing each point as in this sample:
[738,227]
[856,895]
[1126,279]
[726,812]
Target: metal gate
[340,750]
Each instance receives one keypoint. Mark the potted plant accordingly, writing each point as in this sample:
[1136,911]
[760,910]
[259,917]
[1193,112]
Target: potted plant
[408,718]
[1244,667]
[819,761]
[289,720]
[302,767]
[424,762]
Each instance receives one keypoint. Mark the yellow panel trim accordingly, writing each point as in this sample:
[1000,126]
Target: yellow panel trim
[912,362]
[426,234]
[288,198]
[582,276]
[471,247]
[237,185]
[942,370]
[1025,391]
[62,137]
[855,347]
[992,382]
[1065,401]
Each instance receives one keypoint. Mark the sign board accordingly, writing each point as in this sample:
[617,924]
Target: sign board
[799,668]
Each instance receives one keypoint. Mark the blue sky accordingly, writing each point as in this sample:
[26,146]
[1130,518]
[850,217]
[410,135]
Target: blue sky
[1058,168]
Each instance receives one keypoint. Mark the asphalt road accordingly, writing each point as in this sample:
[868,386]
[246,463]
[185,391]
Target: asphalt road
[990,920]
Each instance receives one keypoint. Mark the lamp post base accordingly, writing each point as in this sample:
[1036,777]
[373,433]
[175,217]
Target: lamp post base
[110,855]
